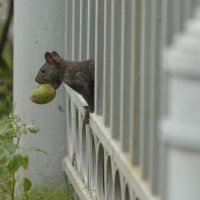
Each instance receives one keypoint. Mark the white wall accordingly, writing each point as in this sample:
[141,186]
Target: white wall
[39,27]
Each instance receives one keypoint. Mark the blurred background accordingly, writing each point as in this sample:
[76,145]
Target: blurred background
[6,57]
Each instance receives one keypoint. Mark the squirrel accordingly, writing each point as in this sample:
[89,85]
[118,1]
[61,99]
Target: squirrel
[77,75]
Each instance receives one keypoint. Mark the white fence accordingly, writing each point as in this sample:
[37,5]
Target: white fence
[120,154]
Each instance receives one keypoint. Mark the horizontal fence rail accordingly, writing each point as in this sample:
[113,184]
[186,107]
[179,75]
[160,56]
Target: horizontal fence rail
[117,156]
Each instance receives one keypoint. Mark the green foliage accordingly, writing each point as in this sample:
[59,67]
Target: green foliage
[12,158]
[50,193]
[26,184]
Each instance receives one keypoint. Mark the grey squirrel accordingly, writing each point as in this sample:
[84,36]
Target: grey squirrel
[77,75]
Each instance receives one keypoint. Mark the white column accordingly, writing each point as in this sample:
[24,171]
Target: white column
[39,27]
[181,123]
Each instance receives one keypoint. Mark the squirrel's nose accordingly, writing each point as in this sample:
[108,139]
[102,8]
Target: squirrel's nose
[37,79]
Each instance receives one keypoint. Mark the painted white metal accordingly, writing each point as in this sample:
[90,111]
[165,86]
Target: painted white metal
[99,37]
[38,27]
[115,67]
[107,62]
[122,138]
[135,44]
[144,86]
[91,29]
[126,58]
[109,159]
[180,125]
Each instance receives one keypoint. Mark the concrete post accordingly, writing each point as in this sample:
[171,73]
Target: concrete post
[39,27]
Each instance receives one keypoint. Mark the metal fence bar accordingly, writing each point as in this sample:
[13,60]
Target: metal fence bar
[84,156]
[176,13]
[68,124]
[68,29]
[136,84]
[73,133]
[99,37]
[108,178]
[115,67]
[83,30]
[155,81]
[152,89]
[93,166]
[107,62]
[80,127]
[91,29]
[126,56]
[75,29]
[144,87]
[169,17]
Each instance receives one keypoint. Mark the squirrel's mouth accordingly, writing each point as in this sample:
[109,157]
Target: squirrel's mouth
[55,86]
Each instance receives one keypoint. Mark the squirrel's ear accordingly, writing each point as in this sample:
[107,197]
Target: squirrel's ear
[55,54]
[48,57]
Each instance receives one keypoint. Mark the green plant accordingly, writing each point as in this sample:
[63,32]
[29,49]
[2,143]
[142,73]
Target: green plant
[12,156]
[41,192]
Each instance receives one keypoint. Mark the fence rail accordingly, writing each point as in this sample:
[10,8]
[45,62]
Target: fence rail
[117,156]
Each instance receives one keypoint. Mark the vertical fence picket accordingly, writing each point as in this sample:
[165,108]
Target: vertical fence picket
[91,29]
[73,133]
[115,67]
[75,29]
[152,90]
[68,29]
[154,105]
[106,62]
[68,126]
[136,83]
[83,30]
[126,56]
[144,86]
[99,36]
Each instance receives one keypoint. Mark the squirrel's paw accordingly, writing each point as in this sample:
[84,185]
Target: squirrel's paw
[87,115]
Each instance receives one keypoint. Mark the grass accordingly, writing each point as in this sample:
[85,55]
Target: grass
[40,192]
[50,193]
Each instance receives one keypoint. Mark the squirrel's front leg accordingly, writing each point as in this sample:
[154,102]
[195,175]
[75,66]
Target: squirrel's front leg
[87,115]
[90,108]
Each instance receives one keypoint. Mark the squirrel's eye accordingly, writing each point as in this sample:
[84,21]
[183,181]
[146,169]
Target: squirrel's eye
[43,70]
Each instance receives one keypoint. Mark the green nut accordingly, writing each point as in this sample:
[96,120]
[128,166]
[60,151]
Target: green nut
[44,93]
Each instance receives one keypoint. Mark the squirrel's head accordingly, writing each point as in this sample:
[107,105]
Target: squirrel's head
[51,71]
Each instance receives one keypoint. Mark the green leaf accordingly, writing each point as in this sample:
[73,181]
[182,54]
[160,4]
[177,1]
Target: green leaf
[1,137]
[3,151]
[11,184]
[2,170]
[25,162]
[3,161]
[10,143]
[32,129]
[10,133]
[26,184]
[15,163]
